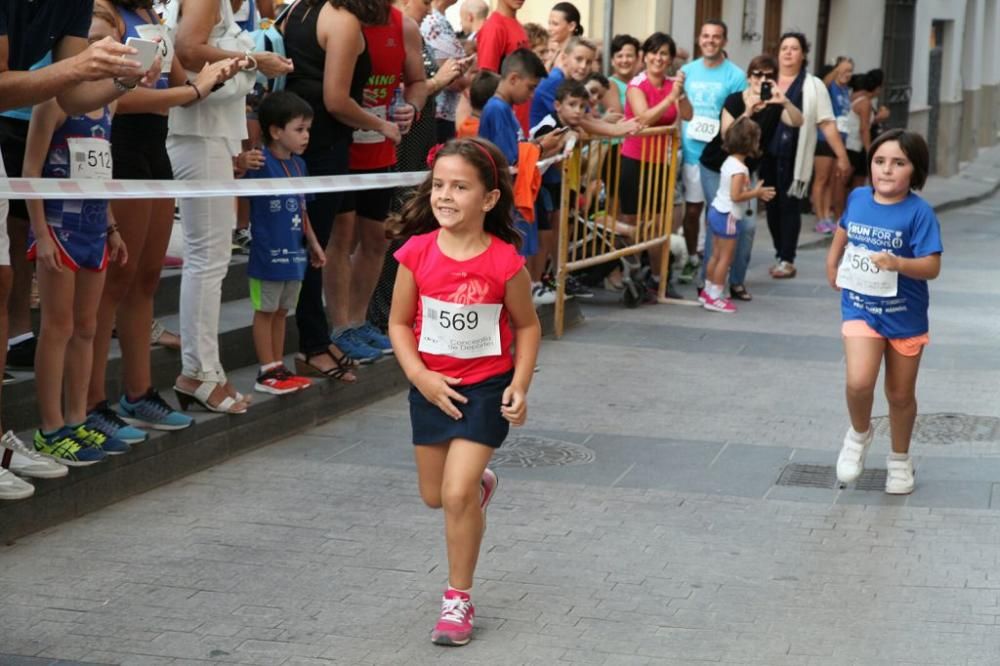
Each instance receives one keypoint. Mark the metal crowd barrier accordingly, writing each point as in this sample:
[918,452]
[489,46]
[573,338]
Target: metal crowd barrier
[590,235]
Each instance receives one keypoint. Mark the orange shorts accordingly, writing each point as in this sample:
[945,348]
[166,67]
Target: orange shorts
[857,328]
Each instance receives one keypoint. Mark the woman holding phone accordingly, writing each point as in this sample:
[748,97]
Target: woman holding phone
[139,152]
[766,104]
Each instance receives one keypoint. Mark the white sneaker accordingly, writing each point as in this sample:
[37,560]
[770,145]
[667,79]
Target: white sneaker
[13,488]
[18,458]
[851,461]
[542,295]
[899,476]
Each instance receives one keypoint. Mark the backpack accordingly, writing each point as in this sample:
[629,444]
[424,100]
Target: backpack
[273,40]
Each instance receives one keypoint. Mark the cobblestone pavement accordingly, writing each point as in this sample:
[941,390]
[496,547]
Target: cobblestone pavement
[646,528]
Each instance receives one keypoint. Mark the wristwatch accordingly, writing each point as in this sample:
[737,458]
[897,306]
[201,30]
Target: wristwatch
[121,86]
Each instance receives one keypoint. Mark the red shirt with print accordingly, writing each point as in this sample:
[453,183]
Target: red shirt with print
[480,280]
[498,38]
[370,149]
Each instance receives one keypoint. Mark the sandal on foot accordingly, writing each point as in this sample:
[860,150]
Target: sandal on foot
[340,370]
[159,335]
[739,292]
[201,396]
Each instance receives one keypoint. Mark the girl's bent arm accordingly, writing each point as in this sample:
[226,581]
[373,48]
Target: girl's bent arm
[434,386]
[834,255]
[401,316]
[918,268]
[527,329]
[45,118]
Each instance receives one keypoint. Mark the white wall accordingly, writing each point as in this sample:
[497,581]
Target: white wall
[855,30]
[989,54]
[928,11]
[972,43]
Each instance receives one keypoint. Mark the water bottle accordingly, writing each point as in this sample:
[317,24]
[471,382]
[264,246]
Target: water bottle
[397,103]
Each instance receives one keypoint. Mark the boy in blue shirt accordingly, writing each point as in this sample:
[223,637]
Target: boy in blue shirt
[282,239]
[570,108]
[519,76]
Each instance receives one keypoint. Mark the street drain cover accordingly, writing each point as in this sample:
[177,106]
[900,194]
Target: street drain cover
[825,476]
[531,451]
[947,428]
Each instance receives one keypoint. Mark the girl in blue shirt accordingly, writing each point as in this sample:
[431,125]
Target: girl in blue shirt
[887,246]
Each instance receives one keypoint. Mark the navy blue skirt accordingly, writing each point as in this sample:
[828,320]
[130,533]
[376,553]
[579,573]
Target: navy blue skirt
[481,420]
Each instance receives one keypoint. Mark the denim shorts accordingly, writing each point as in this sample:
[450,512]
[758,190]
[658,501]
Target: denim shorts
[481,420]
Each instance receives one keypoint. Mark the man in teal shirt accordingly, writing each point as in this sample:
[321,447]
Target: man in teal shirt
[708,81]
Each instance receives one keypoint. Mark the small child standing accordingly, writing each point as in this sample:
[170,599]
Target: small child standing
[483,87]
[71,243]
[465,332]
[742,140]
[282,239]
[886,247]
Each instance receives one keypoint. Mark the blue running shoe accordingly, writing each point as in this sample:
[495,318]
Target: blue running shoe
[106,421]
[352,344]
[374,338]
[63,446]
[98,440]
[152,411]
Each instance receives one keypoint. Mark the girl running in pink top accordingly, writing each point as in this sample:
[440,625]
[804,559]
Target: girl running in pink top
[465,332]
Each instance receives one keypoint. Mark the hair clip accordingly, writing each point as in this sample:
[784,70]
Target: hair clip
[432,155]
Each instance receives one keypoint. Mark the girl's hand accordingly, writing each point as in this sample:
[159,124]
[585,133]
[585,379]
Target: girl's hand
[391,131]
[831,275]
[117,252]
[317,257]
[46,254]
[886,261]
[514,406]
[612,116]
[764,193]
[438,391]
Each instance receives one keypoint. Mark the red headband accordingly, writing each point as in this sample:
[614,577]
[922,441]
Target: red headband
[433,153]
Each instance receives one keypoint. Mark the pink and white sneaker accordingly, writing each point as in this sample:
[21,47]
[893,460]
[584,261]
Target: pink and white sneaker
[488,486]
[719,305]
[454,626]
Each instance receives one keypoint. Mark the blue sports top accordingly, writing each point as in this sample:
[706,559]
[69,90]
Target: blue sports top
[77,214]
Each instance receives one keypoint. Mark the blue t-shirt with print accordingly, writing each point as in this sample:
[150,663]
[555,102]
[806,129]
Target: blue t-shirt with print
[278,251]
[543,102]
[908,229]
[707,89]
[499,125]
[840,98]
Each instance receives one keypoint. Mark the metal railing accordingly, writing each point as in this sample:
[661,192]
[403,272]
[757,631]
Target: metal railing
[590,235]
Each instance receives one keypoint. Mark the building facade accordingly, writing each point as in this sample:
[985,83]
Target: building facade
[941,57]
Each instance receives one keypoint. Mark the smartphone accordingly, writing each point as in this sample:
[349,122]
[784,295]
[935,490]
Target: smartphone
[765,91]
[147,51]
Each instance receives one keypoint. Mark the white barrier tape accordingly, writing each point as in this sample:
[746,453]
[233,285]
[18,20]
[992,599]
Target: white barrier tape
[62,188]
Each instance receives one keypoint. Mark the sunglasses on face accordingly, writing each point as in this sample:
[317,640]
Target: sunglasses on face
[758,74]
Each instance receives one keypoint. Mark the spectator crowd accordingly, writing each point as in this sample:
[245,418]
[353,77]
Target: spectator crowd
[262,89]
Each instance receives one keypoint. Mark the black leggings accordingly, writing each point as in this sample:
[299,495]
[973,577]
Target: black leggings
[310,315]
[784,213]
